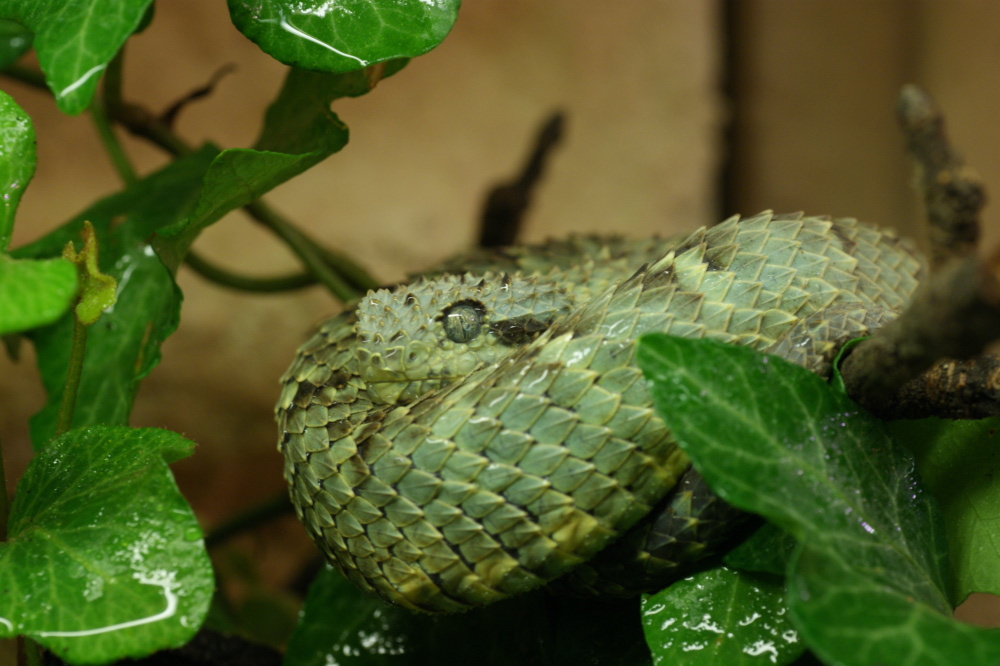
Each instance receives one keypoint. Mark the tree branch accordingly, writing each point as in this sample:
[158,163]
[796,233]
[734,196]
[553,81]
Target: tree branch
[952,192]
[954,315]
[911,366]
[507,202]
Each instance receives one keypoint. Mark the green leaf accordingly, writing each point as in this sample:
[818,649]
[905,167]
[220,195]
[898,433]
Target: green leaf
[75,40]
[343,36]
[17,161]
[300,120]
[960,463]
[299,131]
[175,204]
[236,177]
[849,612]
[15,39]
[775,439]
[34,293]
[123,345]
[767,550]
[720,617]
[105,558]
[342,625]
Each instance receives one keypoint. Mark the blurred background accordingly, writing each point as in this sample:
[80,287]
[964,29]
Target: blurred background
[679,113]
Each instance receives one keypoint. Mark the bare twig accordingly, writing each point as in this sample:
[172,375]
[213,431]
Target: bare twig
[952,390]
[956,312]
[951,191]
[954,315]
[507,202]
[169,116]
[267,285]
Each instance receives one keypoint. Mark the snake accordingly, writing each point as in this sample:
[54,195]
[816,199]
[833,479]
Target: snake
[482,430]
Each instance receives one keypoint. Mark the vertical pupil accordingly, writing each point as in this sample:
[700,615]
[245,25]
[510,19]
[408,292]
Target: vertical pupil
[463,321]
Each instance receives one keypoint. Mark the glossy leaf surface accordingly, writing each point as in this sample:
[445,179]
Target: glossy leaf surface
[343,35]
[17,161]
[75,40]
[299,131]
[34,293]
[721,617]
[123,346]
[960,462]
[15,39]
[868,583]
[105,558]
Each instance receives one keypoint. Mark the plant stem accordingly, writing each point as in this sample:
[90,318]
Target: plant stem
[111,144]
[110,98]
[76,355]
[211,272]
[272,508]
[27,75]
[306,250]
[4,502]
[345,279]
[28,652]
[273,220]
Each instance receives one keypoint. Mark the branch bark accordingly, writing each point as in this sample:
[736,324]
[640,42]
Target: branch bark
[917,365]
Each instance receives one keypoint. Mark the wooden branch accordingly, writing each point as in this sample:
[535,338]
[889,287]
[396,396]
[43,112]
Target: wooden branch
[954,315]
[507,202]
[952,192]
[916,365]
[951,390]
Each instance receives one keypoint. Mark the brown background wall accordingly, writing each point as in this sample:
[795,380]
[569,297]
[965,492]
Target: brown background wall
[813,89]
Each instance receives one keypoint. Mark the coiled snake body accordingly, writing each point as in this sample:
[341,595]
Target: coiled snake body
[482,431]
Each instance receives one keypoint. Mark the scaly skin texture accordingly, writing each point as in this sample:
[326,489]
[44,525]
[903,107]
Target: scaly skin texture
[464,438]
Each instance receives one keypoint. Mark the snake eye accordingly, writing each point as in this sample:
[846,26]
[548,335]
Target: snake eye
[463,321]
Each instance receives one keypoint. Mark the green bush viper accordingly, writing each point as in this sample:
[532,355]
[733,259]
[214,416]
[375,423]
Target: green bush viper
[482,430]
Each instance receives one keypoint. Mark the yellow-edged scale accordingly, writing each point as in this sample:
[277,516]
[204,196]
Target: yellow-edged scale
[482,431]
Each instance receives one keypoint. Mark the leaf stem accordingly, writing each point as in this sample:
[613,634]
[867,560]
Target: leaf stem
[344,278]
[27,75]
[273,220]
[214,273]
[76,355]
[270,509]
[111,144]
[110,98]
[308,252]
[28,652]
[4,502]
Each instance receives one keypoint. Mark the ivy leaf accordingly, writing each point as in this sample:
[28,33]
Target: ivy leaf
[15,39]
[767,550]
[346,35]
[105,558]
[299,131]
[299,120]
[867,583]
[34,293]
[123,346]
[721,617]
[17,161]
[960,462]
[75,40]
[342,625]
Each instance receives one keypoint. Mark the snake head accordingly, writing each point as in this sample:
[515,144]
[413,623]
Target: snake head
[417,337]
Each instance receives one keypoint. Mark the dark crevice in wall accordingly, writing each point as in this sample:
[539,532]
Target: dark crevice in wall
[729,14]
